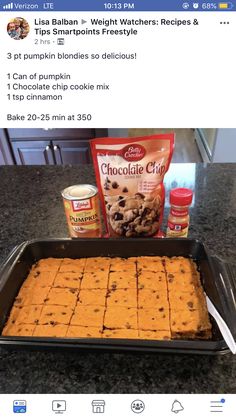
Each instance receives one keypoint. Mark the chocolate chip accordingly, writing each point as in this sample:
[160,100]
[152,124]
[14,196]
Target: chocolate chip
[170,276]
[139,195]
[118,216]
[184,323]
[127,325]
[190,304]
[115,185]
[49,314]
[125,189]
[106,187]
[108,180]
[121,203]
[182,270]
[96,310]
[52,322]
[161,309]
[120,197]
[18,300]
[173,323]
[109,207]
[63,313]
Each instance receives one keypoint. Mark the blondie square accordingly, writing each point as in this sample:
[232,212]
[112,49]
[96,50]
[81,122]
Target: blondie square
[39,279]
[153,299]
[68,280]
[98,279]
[83,332]
[122,297]
[150,263]
[119,280]
[120,318]
[190,324]
[179,264]
[18,330]
[90,316]
[55,314]
[193,300]
[155,334]
[120,333]
[93,264]
[187,282]
[32,296]
[55,331]
[153,319]
[29,314]
[62,297]
[121,264]
[92,297]
[48,265]
[12,319]
[152,280]
[72,265]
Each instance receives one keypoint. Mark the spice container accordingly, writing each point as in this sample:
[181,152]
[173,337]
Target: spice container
[178,220]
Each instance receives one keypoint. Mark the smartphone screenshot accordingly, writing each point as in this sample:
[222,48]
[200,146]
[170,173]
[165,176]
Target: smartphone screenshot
[117,209]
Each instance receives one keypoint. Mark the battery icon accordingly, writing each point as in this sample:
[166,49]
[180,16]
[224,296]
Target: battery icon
[225,6]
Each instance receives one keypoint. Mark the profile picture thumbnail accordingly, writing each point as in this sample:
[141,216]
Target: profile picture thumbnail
[18,28]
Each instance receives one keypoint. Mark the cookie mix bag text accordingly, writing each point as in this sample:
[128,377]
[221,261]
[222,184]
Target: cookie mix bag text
[129,174]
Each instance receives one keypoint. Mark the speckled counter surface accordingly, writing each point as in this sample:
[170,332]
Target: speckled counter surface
[31,207]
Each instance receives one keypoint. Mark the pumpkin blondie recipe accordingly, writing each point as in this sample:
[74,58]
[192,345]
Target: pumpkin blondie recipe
[144,297]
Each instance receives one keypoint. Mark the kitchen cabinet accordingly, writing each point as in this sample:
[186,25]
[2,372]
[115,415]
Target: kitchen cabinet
[53,146]
[38,152]
[6,155]
[71,152]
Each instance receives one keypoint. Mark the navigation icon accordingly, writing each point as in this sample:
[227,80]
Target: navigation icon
[137,406]
[217,406]
[19,406]
[59,406]
[176,407]
[83,21]
[98,406]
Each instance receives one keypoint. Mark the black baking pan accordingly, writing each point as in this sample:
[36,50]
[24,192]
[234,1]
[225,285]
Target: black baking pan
[218,280]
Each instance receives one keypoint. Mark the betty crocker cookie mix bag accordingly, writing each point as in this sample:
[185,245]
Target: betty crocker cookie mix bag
[129,174]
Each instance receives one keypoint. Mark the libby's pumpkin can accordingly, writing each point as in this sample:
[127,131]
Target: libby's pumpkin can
[82,210]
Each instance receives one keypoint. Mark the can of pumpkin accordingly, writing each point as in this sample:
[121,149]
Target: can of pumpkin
[82,210]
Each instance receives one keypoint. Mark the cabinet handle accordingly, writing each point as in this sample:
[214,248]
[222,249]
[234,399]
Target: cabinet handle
[47,148]
[55,147]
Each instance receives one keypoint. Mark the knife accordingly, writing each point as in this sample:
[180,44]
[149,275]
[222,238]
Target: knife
[227,335]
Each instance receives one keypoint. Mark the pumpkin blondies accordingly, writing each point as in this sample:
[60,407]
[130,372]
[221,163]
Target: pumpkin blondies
[143,297]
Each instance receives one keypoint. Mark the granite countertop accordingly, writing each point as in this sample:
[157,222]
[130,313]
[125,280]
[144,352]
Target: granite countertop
[31,207]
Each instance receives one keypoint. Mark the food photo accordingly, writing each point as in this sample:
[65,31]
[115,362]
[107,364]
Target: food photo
[117,256]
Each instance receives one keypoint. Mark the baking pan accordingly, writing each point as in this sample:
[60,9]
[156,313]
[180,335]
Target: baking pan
[217,276]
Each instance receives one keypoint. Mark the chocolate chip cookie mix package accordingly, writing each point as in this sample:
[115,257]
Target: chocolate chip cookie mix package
[129,174]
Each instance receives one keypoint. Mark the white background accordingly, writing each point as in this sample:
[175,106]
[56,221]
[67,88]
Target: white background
[183,76]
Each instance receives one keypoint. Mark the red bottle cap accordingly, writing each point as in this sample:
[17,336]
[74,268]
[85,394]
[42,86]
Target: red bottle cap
[181,196]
